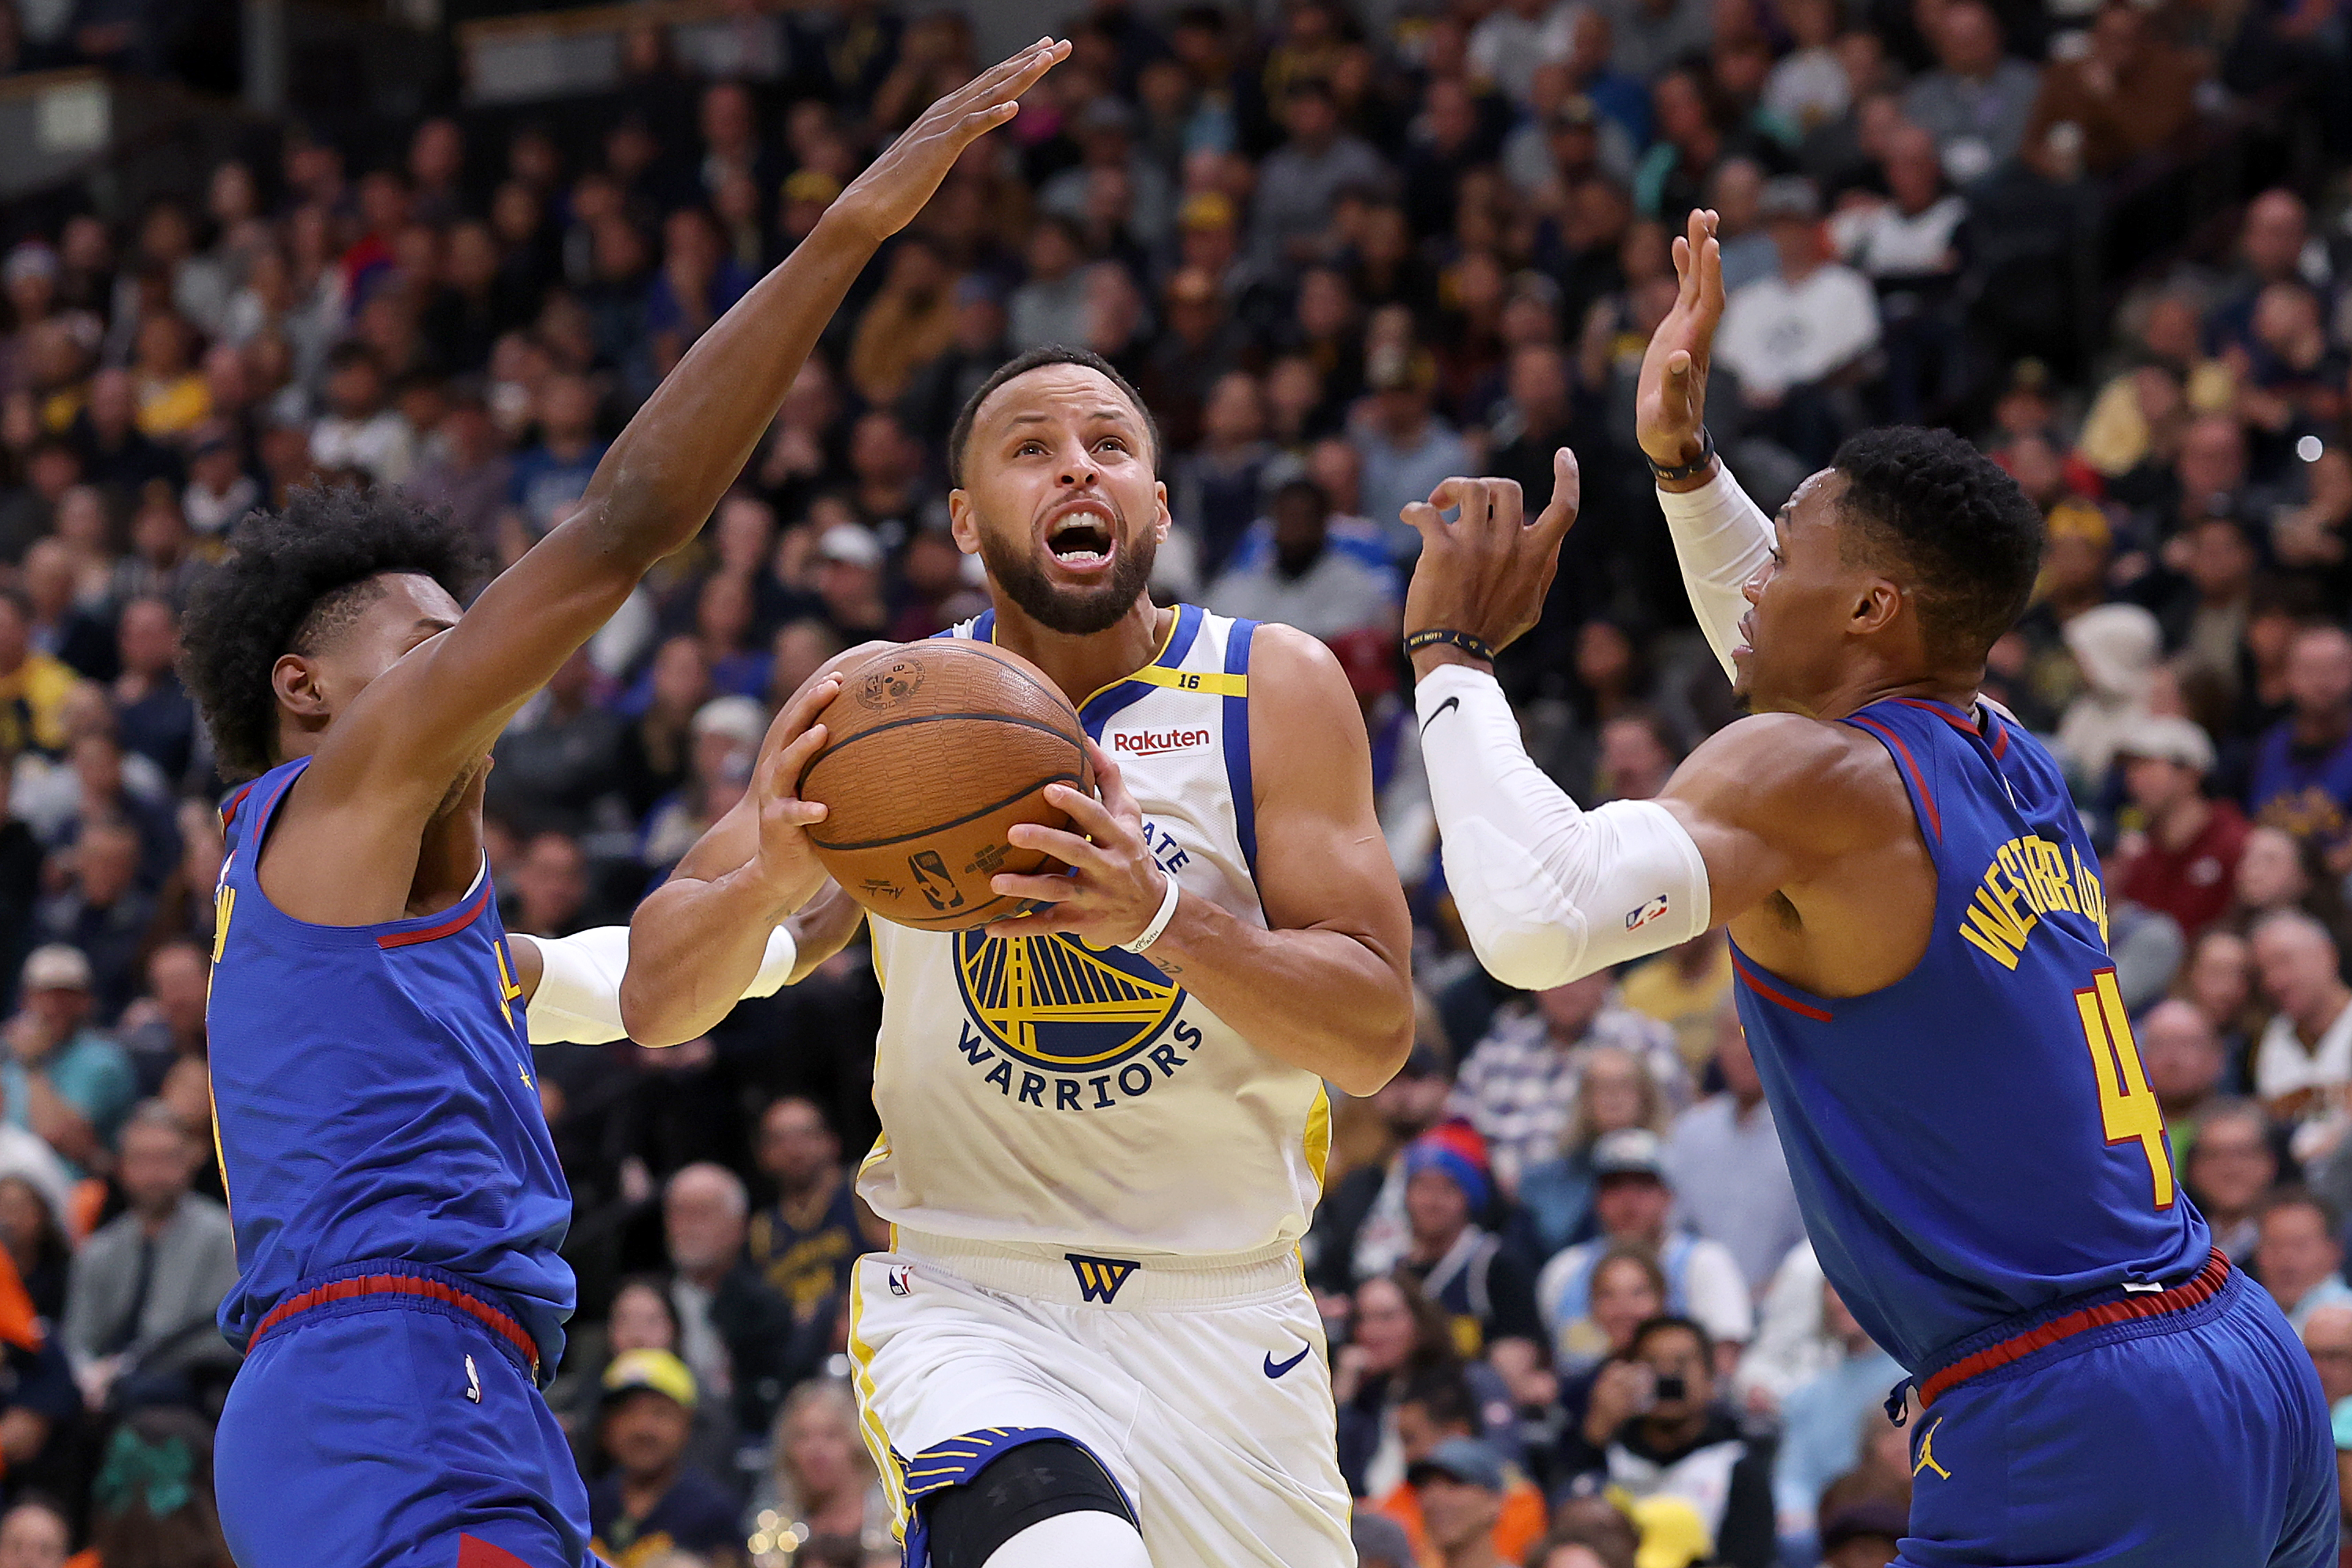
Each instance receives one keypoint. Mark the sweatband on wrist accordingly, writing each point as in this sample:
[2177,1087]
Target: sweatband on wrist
[1151,933]
[776,967]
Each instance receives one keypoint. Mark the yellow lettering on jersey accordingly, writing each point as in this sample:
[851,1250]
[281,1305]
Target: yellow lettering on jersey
[2128,1110]
[2027,879]
[224,906]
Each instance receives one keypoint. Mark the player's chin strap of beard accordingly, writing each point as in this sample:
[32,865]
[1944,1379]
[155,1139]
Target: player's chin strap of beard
[579,997]
[1548,892]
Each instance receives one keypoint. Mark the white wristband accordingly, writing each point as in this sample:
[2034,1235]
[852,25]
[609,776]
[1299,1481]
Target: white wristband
[776,965]
[1151,933]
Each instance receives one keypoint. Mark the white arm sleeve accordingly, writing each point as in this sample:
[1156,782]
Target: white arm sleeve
[1548,892]
[579,997]
[1721,538]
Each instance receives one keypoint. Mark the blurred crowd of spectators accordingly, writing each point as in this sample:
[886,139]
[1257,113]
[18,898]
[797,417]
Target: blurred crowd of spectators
[1345,252]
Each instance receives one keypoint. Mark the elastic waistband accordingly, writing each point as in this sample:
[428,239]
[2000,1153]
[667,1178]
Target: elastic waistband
[2005,1343]
[375,1284]
[1071,1278]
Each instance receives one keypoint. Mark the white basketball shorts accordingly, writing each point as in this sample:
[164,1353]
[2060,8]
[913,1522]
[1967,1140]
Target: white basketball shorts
[1201,1385]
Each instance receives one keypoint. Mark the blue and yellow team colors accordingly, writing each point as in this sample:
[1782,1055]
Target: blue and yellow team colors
[398,1206]
[1985,1175]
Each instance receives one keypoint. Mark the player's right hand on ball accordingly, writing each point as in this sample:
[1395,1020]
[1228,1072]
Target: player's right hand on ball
[787,861]
[1670,400]
[894,187]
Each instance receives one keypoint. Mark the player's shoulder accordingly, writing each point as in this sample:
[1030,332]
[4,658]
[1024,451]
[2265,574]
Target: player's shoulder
[1815,779]
[1294,678]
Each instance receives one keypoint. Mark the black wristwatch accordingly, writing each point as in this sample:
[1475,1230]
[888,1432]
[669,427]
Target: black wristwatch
[1691,470]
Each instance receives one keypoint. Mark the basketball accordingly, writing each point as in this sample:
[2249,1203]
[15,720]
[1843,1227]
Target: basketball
[932,752]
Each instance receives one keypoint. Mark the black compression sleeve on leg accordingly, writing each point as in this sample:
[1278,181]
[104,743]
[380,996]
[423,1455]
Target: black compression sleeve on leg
[1035,1481]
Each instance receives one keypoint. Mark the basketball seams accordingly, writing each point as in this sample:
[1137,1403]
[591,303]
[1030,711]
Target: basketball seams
[852,847]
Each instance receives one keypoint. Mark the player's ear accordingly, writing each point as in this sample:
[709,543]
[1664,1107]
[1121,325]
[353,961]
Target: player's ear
[962,527]
[1162,519]
[297,679]
[1876,606]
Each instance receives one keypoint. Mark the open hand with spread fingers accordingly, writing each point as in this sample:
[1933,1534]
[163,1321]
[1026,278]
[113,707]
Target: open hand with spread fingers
[1114,889]
[1670,398]
[894,187]
[1485,574]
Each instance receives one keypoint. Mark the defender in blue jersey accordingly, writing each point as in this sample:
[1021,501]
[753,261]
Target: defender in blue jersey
[397,1201]
[1919,935]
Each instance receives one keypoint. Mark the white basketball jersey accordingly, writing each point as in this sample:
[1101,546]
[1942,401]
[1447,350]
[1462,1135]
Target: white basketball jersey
[1035,1090]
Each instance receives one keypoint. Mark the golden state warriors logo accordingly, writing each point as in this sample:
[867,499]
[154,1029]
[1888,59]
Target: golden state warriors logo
[1053,1002]
[1052,1023]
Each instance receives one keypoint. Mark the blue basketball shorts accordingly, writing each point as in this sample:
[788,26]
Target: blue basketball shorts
[2112,1434]
[394,1429]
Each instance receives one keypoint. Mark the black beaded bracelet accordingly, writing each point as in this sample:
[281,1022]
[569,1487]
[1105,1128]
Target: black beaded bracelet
[1477,647]
[1691,470]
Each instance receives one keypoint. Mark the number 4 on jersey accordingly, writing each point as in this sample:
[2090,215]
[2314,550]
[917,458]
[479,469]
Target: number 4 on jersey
[2128,1110]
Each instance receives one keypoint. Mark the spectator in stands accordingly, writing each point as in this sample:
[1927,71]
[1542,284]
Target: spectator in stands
[1407,450]
[2271,240]
[2327,1335]
[2229,1170]
[167,1022]
[2185,1064]
[361,432]
[1614,1091]
[1484,1286]
[154,716]
[849,563]
[145,1286]
[1723,1159]
[1304,581]
[1977,102]
[2303,1059]
[1635,1204]
[1792,339]
[102,914]
[806,1243]
[152,1496]
[1518,1085]
[2300,1256]
[1688,987]
[65,1081]
[652,1494]
[1628,1290]
[820,1481]
[1299,183]
[734,1331]
[35,1534]
[2131,93]
[1359,1229]
[1821,1421]
[1655,1427]
[2181,859]
[1219,489]
[549,477]
[2303,768]
[33,683]
[1463,1495]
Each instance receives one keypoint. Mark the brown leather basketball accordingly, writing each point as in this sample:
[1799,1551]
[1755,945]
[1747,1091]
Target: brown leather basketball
[932,750]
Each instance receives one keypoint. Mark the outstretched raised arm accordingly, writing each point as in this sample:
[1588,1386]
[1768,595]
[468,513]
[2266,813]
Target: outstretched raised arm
[443,704]
[1721,538]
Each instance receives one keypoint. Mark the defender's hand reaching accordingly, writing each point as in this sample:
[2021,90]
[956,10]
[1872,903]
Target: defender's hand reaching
[1114,887]
[1670,399]
[895,186]
[1487,573]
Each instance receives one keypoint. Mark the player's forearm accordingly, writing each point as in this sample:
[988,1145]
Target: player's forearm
[1322,1000]
[1548,891]
[666,471]
[695,948]
[1721,540]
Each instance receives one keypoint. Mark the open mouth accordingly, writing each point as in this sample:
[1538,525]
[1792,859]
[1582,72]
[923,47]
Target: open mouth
[1081,536]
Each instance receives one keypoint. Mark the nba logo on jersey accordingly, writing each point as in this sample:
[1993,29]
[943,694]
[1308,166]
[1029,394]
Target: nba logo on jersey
[1636,919]
[1099,1278]
[902,1279]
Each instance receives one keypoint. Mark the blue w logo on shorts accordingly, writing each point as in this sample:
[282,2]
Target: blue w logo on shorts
[1099,1278]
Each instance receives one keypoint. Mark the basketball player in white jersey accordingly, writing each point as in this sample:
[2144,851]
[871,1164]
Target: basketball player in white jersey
[1104,1122]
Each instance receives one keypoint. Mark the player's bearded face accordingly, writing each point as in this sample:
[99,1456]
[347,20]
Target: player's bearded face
[1018,564]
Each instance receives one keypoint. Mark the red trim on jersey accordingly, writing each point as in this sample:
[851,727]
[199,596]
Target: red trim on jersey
[2179,1299]
[491,1317]
[228,810]
[473,1552]
[1967,726]
[457,923]
[1919,779]
[1770,994]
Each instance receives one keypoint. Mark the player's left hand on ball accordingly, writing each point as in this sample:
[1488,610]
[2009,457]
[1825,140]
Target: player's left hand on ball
[1114,887]
[786,861]
[1486,573]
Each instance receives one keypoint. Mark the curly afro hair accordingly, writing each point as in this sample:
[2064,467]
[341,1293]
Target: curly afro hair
[1971,538]
[297,579]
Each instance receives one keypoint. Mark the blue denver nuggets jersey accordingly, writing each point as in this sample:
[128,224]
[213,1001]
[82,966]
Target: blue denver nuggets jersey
[1976,1139]
[373,1100]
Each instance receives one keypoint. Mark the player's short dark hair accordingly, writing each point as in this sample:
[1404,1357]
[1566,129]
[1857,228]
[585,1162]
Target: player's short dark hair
[1969,535]
[297,578]
[1044,354]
